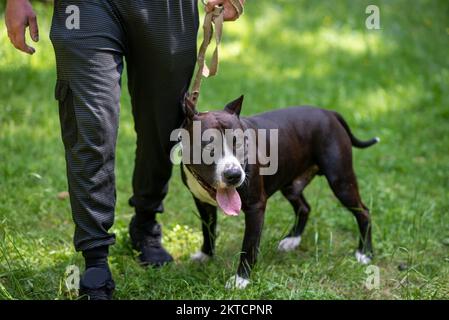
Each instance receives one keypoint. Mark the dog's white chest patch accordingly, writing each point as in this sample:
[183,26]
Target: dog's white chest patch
[197,189]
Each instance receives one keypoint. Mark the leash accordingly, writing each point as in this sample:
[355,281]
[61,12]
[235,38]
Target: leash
[211,20]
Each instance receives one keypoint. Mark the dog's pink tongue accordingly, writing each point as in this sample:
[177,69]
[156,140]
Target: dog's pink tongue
[229,201]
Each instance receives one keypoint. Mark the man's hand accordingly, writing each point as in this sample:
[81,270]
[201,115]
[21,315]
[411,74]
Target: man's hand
[19,15]
[230,14]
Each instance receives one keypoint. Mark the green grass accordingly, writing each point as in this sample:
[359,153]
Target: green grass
[392,83]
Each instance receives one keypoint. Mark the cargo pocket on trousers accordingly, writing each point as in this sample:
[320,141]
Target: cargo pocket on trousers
[67,116]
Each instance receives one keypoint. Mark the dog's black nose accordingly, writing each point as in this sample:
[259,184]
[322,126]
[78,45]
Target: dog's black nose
[232,175]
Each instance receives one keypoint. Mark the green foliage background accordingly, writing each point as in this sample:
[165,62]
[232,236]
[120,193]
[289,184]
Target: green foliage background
[391,83]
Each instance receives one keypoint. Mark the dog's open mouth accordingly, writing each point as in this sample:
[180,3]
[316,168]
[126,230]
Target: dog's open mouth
[228,199]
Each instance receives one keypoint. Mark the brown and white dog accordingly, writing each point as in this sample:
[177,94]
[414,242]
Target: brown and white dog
[311,141]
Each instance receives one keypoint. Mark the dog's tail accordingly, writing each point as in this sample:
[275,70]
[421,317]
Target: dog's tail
[356,142]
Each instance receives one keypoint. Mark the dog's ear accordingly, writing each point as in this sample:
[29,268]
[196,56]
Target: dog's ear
[189,109]
[235,106]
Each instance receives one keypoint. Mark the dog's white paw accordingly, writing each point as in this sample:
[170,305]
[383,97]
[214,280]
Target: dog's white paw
[289,244]
[237,282]
[200,256]
[362,258]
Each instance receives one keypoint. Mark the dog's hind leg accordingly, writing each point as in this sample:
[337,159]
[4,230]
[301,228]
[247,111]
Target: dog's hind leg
[335,162]
[344,186]
[294,194]
[208,215]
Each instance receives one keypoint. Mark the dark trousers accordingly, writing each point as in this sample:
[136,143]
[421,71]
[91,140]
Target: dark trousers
[157,38]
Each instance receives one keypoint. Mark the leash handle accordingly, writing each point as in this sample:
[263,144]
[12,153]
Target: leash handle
[238,6]
[213,18]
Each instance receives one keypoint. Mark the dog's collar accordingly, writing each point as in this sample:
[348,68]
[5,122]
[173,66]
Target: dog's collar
[201,181]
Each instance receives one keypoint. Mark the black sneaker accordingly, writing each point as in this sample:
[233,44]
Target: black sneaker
[146,238]
[96,284]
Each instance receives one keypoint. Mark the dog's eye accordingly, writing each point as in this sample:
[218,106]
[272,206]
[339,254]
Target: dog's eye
[238,143]
[209,148]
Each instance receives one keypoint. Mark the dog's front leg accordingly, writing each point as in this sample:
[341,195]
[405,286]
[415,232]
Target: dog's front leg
[254,218]
[208,215]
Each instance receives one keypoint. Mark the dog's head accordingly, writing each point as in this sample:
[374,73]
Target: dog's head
[215,151]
